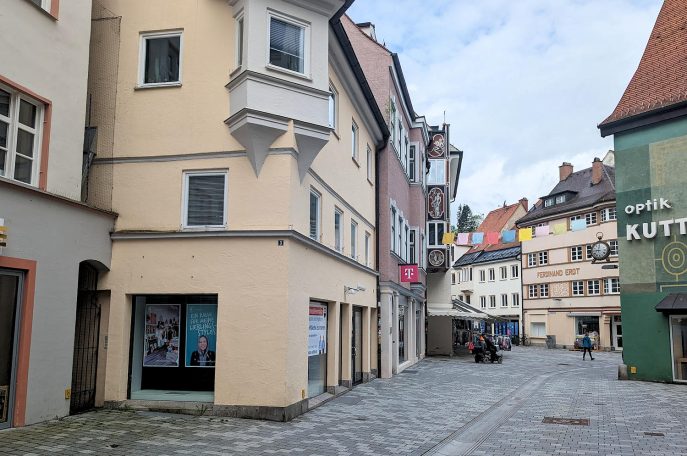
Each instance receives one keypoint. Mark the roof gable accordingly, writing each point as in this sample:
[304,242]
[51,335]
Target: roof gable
[659,81]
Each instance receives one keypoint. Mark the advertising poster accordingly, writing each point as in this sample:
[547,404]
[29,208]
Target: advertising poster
[201,335]
[161,344]
[317,335]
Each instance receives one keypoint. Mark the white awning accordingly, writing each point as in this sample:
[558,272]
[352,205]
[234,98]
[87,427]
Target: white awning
[457,314]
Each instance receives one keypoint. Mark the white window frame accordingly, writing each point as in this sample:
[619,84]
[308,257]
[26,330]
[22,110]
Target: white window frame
[531,260]
[608,285]
[393,229]
[333,107]
[548,202]
[412,162]
[240,25]
[483,302]
[184,207]
[142,58]
[504,272]
[339,238]
[588,253]
[355,136]
[593,287]
[516,299]
[609,214]
[504,300]
[318,219]
[492,301]
[453,278]
[354,239]
[540,329]
[45,5]
[560,199]
[515,271]
[492,275]
[13,128]
[533,291]
[412,246]
[482,275]
[437,177]
[370,165]
[591,218]
[613,245]
[305,26]
[576,253]
[544,290]
[577,287]
[543,257]
[437,241]
[368,238]
[576,217]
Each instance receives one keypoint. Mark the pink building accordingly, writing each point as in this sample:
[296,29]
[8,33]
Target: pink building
[406,178]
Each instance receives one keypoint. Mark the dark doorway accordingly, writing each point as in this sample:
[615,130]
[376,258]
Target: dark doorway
[357,345]
[86,335]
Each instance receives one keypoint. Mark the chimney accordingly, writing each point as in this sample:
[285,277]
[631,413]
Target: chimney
[565,170]
[597,171]
[524,203]
[368,28]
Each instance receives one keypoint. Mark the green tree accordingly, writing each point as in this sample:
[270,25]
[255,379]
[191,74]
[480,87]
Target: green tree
[466,221]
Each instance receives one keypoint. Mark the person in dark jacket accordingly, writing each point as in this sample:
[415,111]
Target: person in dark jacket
[203,357]
[587,346]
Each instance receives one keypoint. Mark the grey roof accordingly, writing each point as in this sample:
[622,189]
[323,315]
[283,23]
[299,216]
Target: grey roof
[673,303]
[486,256]
[581,194]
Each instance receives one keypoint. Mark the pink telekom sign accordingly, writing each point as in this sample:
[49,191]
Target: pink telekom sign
[409,273]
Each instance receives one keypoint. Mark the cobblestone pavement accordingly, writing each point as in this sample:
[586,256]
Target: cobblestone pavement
[439,406]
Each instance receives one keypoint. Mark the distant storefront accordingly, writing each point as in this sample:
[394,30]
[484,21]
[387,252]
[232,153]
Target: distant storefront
[650,134]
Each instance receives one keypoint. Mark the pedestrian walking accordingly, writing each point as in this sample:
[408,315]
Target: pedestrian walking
[587,346]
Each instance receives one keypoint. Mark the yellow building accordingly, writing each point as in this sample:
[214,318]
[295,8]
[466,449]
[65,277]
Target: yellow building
[236,141]
[565,293]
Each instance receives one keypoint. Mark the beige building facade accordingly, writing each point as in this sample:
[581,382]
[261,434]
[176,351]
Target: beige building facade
[564,293]
[238,147]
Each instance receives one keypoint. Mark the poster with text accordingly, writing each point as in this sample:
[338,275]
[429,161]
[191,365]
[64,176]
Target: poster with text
[201,335]
[161,344]
[317,334]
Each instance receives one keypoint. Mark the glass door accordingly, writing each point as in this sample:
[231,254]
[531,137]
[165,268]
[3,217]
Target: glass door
[317,349]
[617,333]
[678,337]
[357,349]
[10,286]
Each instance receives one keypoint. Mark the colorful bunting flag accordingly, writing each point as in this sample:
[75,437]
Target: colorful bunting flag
[477,237]
[578,225]
[508,236]
[448,238]
[541,231]
[559,228]
[463,239]
[525,234]
[492,238]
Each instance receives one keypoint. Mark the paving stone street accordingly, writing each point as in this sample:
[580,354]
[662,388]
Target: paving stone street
[440,406]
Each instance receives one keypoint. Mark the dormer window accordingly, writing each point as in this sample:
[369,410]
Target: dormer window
[548,202]
[560,199]
[287,44]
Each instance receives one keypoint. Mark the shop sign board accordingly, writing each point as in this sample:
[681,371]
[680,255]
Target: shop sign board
[649,230]
[409,273]
[317,333]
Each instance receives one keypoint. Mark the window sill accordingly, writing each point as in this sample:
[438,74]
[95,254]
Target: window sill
[355,161]
[295,74]
[235,72]
[203,228]
[158,86]
[371,183]
[336,135]
[44,11]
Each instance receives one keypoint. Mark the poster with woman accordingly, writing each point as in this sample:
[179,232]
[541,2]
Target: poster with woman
[201,335]
[161,344]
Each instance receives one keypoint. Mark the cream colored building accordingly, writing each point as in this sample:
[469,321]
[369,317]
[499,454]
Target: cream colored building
[238,146]
[564,293]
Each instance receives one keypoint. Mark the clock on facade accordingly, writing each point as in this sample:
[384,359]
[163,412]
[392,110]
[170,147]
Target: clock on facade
[600,250]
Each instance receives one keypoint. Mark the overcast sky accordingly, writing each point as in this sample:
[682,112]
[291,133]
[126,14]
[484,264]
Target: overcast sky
[524,83]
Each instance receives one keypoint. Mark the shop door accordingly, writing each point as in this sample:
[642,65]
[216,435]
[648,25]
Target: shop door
[357,345]
[678,339]
[617,332]
[10,297]
[317,349]
[86,336]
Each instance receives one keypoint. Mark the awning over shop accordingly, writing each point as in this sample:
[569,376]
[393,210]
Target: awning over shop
[673,303]
[461,310]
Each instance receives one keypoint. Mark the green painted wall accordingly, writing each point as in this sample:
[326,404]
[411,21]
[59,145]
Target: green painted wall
[651,162]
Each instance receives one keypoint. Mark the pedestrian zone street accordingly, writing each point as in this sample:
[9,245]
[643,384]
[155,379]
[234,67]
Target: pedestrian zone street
[441,406]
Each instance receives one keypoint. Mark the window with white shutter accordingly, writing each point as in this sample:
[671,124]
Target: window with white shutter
[205,200]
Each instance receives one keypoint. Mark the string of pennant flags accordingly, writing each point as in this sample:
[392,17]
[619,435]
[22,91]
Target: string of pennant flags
[519,235]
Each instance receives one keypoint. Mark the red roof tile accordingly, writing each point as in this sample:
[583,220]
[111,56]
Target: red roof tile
[497,219]
[661,77]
